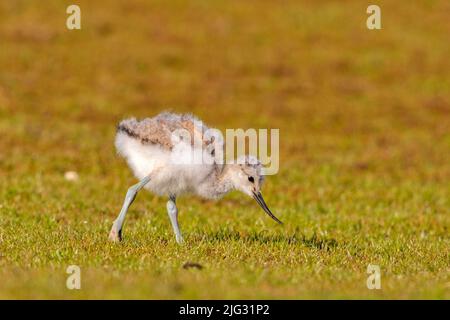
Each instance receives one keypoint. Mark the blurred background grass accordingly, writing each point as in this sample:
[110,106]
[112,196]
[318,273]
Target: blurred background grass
[364,138]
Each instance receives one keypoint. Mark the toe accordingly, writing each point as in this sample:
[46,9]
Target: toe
[180,240]
[115,236]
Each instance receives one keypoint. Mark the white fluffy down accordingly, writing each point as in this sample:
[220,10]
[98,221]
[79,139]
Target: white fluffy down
[172,172]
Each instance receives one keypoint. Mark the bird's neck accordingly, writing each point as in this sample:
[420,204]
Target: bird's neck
[220,184]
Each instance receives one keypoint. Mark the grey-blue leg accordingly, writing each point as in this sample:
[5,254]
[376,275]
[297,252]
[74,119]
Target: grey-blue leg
[173,215]
[116,230]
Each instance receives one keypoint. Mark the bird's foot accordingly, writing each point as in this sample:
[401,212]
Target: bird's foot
[115,235]
[179,239]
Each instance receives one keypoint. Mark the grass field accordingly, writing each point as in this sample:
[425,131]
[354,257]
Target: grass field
[364,119]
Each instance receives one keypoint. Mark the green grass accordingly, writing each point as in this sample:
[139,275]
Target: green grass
[364,120]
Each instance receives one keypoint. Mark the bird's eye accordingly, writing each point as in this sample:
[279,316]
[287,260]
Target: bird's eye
[251,179]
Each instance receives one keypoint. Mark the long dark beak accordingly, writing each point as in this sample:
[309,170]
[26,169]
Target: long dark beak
[259,198]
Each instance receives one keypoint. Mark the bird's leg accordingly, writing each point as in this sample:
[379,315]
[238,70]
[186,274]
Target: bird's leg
[173,215]
[116,230]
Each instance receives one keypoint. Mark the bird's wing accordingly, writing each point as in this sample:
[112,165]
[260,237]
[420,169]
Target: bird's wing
[160,129]
[147,131]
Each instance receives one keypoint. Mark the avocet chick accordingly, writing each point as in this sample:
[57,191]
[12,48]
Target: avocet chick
[163,154]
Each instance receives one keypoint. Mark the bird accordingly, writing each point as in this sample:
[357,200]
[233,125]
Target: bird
[160,152]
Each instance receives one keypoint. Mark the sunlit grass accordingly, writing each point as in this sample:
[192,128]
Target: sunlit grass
[364,120]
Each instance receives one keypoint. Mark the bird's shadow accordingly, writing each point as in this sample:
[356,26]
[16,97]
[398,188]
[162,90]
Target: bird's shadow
[313,241]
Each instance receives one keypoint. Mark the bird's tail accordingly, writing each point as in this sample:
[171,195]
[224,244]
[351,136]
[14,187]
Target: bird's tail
[128,126]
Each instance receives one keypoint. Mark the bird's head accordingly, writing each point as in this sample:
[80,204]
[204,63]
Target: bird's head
[248,178]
